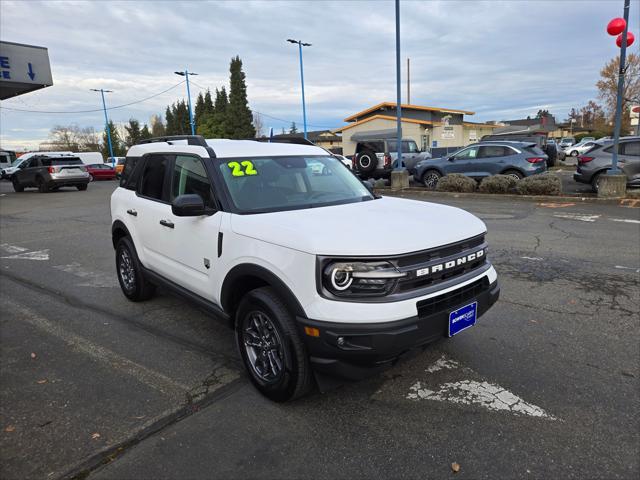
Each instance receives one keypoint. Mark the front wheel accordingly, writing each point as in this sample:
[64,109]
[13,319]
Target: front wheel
[16,185]
[574,153]
[270,347]
[430,179]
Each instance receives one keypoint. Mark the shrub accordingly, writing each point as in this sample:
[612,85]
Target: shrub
[456,182]
[547,184]
[497,184]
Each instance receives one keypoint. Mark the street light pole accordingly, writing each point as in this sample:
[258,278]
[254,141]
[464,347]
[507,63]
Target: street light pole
[616,132]
[106,123]
[186,74]
[304,108]
[400,165]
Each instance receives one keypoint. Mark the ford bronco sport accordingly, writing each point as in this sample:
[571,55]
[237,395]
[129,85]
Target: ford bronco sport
[249,232]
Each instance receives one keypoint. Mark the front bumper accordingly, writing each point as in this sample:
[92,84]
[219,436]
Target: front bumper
[368,348]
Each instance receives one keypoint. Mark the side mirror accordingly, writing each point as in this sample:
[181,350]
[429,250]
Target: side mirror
[451,159]
[369,185]
[190,205]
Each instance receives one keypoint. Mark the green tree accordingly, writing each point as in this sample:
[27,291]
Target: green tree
[293,128]
[170,122]
[239,122]
[119,149]
[145,134]
[133,132]
[199,108]
[214,125]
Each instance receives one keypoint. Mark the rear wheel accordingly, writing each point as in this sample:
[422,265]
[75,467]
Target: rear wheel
[514,174]
[595,181]
[430,179]
[42,186]
[16,185]
[273,353]
[130,275]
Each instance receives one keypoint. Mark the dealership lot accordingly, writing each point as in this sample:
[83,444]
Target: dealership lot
[545,385]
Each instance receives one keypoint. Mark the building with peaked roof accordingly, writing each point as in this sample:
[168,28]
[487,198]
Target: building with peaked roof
[429,127]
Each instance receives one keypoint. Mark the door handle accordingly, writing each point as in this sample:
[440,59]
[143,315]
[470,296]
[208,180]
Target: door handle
[167,223]
[131,211]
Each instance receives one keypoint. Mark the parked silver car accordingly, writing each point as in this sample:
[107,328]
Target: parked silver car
[597,161]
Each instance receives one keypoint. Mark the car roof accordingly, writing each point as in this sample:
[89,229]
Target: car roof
[512,143]
[224,148]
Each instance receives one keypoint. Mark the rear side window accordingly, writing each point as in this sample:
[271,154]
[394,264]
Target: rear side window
[152,183]
[535,150]
[130,173]
[65,161]
[631,148]
[490,151]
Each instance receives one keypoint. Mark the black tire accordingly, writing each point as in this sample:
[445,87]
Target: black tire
[574,153]
[366,161]
[130,276]
[595,181]
[91,179]
[263,320]
[16,185]
[430,179]
[514,173]
[82,188]
[42,186]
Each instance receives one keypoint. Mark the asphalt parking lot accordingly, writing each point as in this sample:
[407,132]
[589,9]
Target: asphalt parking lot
[545,386]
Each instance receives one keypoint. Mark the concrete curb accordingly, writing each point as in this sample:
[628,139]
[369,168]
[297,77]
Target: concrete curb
[499,196]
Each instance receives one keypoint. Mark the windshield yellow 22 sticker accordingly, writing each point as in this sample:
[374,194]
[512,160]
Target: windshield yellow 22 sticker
[240,169]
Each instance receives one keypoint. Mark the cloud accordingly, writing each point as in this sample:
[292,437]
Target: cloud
[499,59]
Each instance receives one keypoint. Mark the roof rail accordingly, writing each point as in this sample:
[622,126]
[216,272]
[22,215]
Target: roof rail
[295,140]
[191,140]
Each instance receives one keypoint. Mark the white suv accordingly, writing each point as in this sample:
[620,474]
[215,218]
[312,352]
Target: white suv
[318,276]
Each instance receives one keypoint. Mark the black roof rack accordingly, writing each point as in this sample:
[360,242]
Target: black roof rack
[295,140]
[191,140]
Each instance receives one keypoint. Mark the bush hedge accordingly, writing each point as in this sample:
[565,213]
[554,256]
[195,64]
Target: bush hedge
[546,184]
[497,184]
[456,182]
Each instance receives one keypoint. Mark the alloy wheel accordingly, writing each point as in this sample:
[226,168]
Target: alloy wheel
[430,180]
[263,347]
[126,270]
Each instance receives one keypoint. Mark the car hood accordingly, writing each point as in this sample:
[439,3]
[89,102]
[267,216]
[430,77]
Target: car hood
[386,226]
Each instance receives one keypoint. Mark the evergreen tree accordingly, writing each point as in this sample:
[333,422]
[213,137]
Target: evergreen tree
[145,134]
[293,128]
[116,142]
[157,127]
[214,125]
[170,128]
[208,103]
[199,109]
[133,132]
[283,132]
[239,117]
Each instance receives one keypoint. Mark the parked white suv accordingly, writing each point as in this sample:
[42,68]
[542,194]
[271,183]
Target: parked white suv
[317,275]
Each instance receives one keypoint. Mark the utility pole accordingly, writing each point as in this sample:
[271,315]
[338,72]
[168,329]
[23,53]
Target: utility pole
[408,82]
[400,165]
[304,108]
[106,123]
[616,132]
[192,122]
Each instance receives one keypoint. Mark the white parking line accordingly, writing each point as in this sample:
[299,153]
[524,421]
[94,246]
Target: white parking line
[470,392]
[91,279]
[620,267]
[578,216]
[625,220]
[12,248]
[534,259]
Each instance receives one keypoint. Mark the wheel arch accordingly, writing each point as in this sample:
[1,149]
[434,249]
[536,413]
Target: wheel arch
[432,167]
[516,169]
[118,231]
[245,277]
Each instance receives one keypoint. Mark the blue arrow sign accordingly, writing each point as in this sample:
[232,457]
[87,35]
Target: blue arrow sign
[31,74]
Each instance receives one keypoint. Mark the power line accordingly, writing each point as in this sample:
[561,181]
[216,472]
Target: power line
[94,110]
[271,116]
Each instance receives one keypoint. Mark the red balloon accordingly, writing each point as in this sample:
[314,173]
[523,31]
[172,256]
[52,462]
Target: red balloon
[616,26]
[630,39]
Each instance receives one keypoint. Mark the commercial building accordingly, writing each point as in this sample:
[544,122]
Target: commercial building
[430,127]
[322,138]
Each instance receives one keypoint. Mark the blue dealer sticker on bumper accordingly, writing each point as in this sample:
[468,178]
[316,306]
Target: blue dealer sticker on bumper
[463,318]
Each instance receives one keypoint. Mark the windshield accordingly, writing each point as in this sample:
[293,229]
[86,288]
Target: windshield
[263,184]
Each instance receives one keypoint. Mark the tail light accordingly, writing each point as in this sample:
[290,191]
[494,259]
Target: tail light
[54,169]
[387,159]
[582,159]
[536,159]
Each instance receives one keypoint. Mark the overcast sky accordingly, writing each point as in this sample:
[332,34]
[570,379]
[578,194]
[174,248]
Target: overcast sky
[499,59]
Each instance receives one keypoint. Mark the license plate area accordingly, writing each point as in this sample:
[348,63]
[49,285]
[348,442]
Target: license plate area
[463,318]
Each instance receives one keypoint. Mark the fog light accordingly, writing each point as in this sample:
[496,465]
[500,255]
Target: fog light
[340,341]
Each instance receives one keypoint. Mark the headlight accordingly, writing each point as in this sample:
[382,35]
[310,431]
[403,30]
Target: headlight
[360,279]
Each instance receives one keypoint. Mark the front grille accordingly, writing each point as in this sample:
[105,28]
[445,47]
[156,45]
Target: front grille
[450,300]
[440,252]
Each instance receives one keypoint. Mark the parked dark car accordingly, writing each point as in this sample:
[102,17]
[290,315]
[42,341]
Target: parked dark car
[50,173]
[479,160]
[597,161]
[101,171]
[377,157]
[549,147]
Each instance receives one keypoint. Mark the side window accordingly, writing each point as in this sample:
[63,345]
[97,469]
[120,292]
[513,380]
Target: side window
[490,151]
[153,177]
[391,146]
[190,177]
[631,148]
[409,147]
[471,152]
